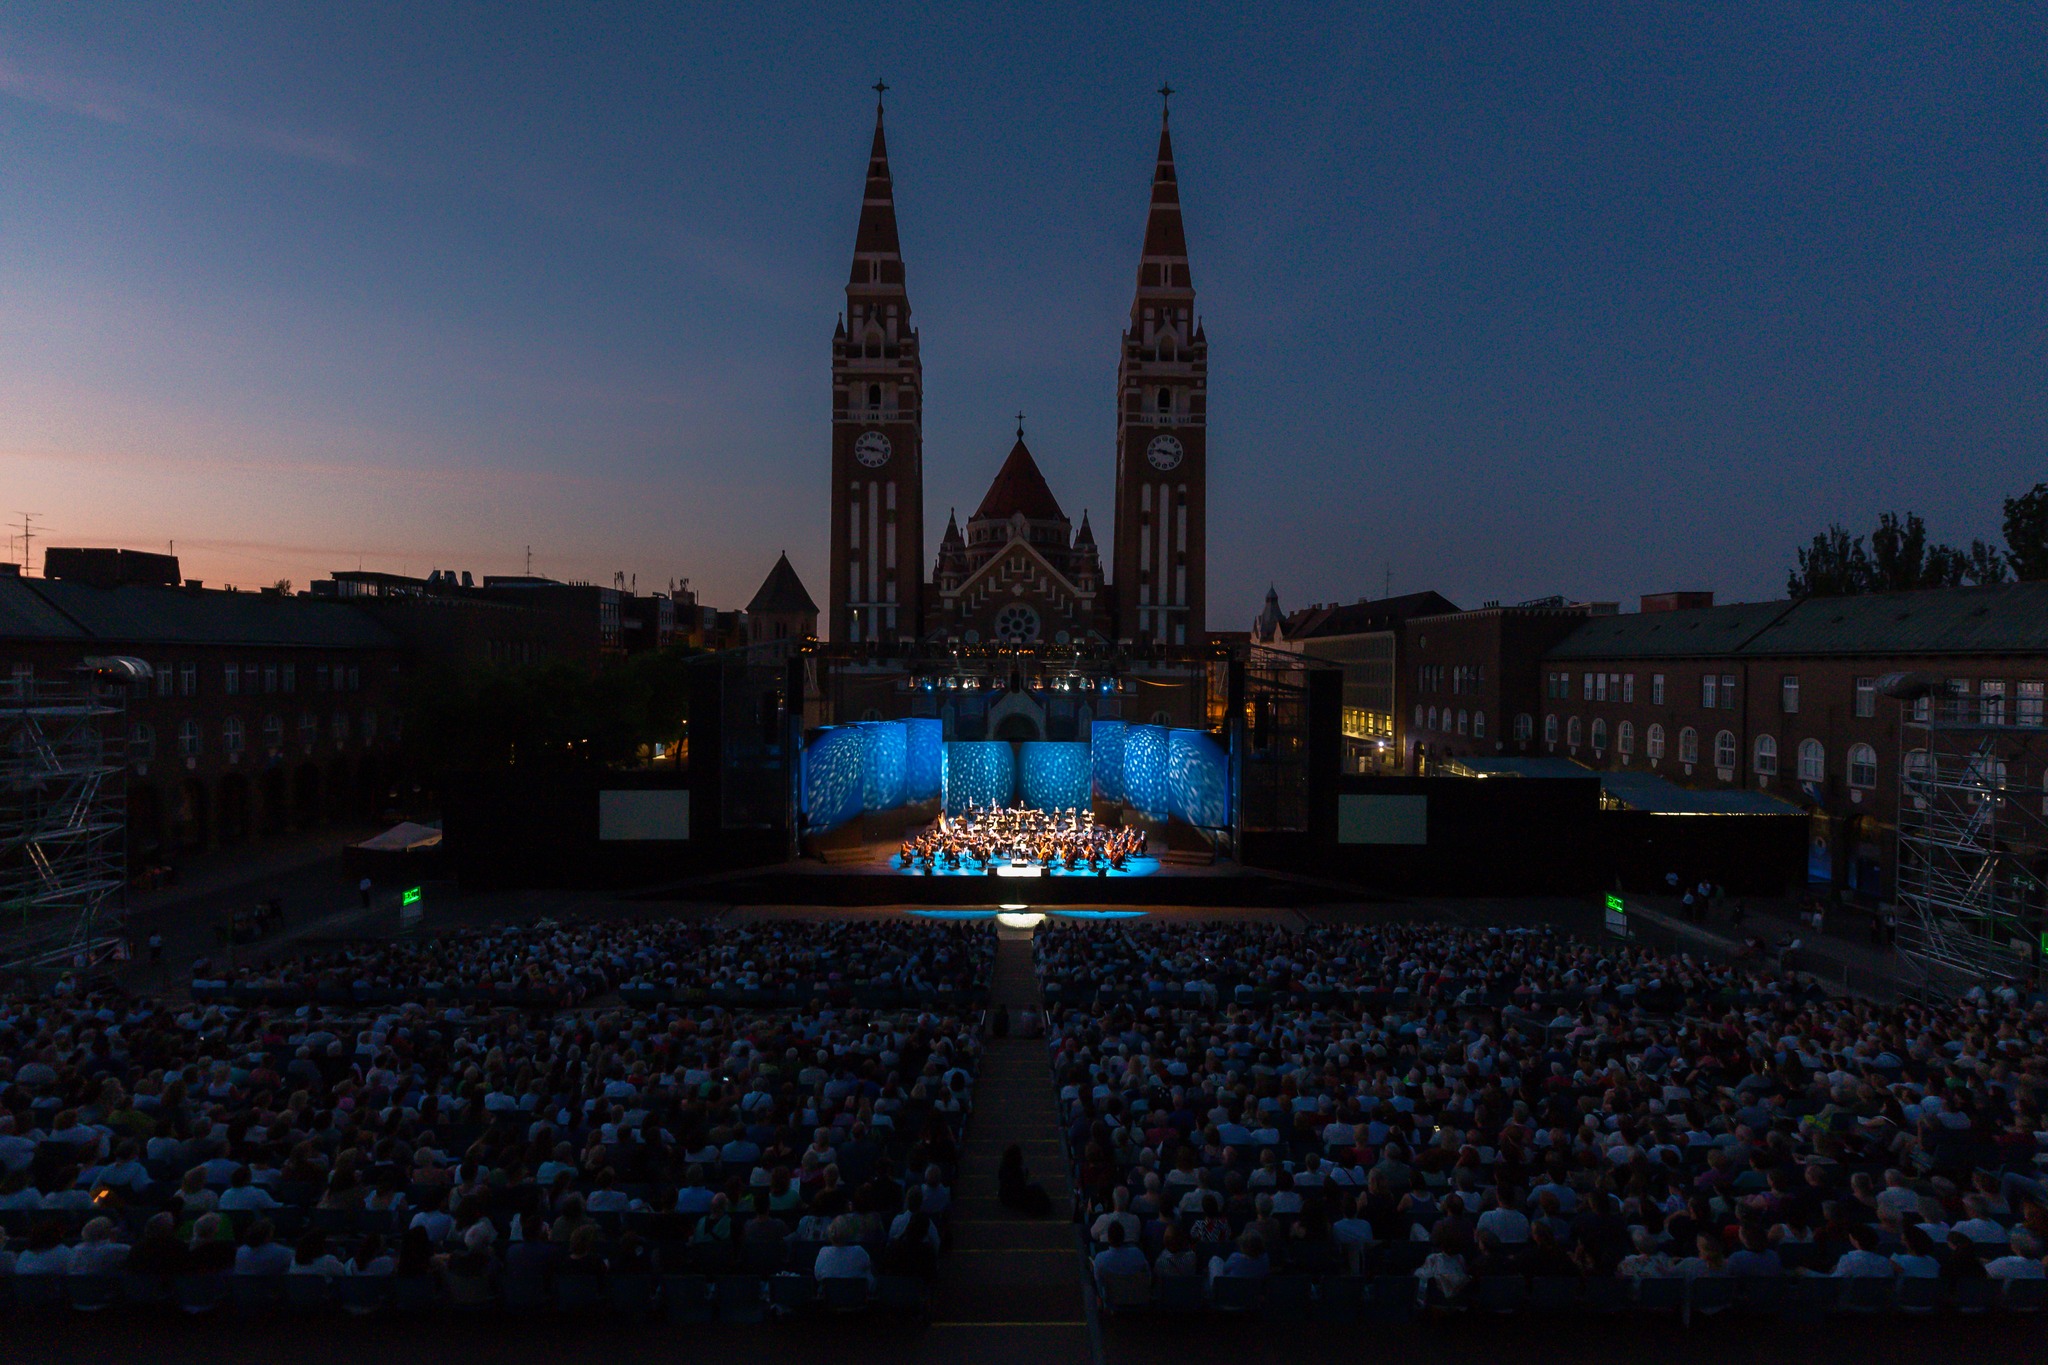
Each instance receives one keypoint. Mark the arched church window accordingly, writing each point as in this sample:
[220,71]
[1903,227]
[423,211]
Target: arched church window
[875,397]
[1165,401]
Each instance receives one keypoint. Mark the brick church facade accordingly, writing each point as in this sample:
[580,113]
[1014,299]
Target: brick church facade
[1020,572]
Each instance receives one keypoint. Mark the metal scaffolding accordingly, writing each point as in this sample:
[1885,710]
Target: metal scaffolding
[1973,834]
[63,816]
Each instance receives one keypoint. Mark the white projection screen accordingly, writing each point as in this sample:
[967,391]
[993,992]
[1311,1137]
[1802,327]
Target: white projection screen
[642,815]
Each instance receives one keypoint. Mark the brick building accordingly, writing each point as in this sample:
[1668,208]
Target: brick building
[1469,681]
[1787,697]
[262,713]
[1362,638]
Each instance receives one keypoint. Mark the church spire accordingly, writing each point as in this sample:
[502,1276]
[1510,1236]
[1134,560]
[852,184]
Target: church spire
[1164,264]
[877,255]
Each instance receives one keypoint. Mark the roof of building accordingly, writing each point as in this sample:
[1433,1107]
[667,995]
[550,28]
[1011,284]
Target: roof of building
[1662,796]
[1357,618]
[1019,487]
[1539,766]
[782,592]
[2002,618]
[58,609]
[1669,634]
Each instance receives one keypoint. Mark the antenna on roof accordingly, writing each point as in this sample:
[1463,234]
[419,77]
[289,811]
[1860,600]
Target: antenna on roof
[28,531]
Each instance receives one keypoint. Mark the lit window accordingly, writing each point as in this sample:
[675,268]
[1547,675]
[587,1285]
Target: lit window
[1862,766]
[1688,745]
[1653,743]
[1625,737]
[1813,761]
[1766,760]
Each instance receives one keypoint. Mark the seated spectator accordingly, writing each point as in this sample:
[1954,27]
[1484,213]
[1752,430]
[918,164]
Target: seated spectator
[913,1246]
[1248,1262]
[1177,1257]
[97,1252]
[1443,1271]
[1862,1260]
[46,1253]
[470,1273]
[1755,1256]
[313,1258]
[1118,1258]
[2022,1263]
[1015,1188]
[584,1257]
[241,1196]
[1917,1261]
[159,1252]
[844,1258]
[371,1258]
[259,1255]
[1117,1215]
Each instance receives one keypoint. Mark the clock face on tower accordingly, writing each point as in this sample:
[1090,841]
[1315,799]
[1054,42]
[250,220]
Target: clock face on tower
[871,448]
[1164,452]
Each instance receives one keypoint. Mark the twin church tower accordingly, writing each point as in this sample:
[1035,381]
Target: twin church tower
[1019,573]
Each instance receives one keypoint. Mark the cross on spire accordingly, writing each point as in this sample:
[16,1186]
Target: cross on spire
[881,88]
[1020,424]
[1165,99]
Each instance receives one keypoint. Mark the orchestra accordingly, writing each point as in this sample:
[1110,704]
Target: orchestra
[983,837]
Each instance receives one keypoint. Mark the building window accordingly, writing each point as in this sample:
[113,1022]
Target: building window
[1463,721]
[1922,708]
[1866,697]
[1599,687]
[142,744]
[1418,716]
[1599,735]
[166,680]
[1572,732]
[1625,738]
[1727,691]
[1724,751]
[1550,729]
[340,727]
[1813,761]
[1710,691]
[190,744]
[273,732]
[1628,687]
[188,680]
[1653,743]
[1525,727]
[1432,719]
[231,678]
[369,727]
[2028,710]
[1862,766]
[1479,725]
[319,677]
[1788,694]
[1656,689]
[1688,746]
[289,680]
[309,729]
[270,677]
[1586,686]
[1992,701]
[1913,772]
[1766,761]
[233,735]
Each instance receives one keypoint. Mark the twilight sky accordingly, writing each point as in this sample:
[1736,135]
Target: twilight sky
[1499,302]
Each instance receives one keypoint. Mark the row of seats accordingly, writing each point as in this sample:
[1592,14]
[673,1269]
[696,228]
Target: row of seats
[731,1298]
[1397,1298]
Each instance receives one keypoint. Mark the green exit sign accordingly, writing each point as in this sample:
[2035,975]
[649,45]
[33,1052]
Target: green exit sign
[1614,904]
[411,896]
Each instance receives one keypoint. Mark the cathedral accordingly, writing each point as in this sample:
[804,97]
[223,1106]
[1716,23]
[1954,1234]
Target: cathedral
[1019,572]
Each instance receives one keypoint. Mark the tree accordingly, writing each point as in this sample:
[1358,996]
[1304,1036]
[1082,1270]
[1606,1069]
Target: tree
[2026,534]
[1898,559]
[1833,566]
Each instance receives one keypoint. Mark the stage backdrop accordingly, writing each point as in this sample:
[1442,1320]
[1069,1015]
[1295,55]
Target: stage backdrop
[832,778]
[881,764]
[1054,774]
[980,772]
[924,759]
[1145,770]
[1106,754]
[1197,779]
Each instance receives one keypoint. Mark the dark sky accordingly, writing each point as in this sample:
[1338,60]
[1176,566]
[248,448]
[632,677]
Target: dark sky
[1501,300]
